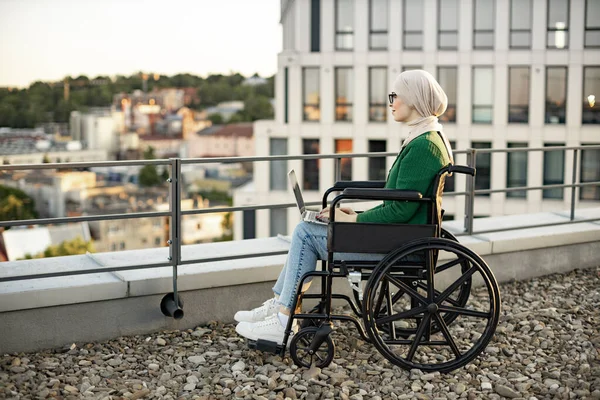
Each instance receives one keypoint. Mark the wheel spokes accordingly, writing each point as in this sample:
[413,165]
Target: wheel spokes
[450,289]
[410,291]
[413,348]
[402,315]
[449,264]
[465,311]
[447,335]
[438,293]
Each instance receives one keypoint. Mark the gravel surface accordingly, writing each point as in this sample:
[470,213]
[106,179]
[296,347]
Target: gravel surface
[547,346]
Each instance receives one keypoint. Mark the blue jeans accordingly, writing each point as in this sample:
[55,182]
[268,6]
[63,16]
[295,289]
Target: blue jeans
[309,244]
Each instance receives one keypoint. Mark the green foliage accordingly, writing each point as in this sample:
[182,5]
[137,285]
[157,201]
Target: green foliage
[45,102]
[66,248]
[16,205]
[216,119]
[148,174]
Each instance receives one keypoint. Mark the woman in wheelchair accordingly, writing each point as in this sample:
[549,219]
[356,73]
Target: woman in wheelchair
[417,100]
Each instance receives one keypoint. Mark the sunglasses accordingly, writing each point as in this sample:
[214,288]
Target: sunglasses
[392,96]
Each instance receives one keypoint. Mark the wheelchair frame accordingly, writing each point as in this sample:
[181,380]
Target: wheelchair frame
[399,241]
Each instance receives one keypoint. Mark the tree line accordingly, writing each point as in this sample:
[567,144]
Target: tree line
[45,101]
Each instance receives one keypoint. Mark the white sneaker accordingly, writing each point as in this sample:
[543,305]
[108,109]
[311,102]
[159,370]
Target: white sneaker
[270,329]
[267,309]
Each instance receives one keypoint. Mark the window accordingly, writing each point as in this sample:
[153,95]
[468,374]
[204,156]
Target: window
[449,184]
[556,95]
[520,24]
[483,163]
[113,247]
[310,167]
[343,167]
[590,172]
[483,95]
[249,224]
[516,170]
[591,93]
[413,24]
[448,80]
[483,24]
[278,222]
[554,172]
[557,36]
[278,169]
[409,68]
[285,94]
[157,241]
[592,24]
[122,246]
[378,16]
[377,169]
[311,110]
[315,25]
[344,24]
[518,96]
[343,94]
[448,24]
[378,94]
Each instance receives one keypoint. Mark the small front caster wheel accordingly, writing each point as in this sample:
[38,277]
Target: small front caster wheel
[300,349]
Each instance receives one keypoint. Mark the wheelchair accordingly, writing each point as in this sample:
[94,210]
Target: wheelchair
[428,302]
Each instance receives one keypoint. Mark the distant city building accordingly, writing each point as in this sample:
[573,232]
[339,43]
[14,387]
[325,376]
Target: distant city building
[232,140]
[97,129]
[226,109]
[518,73]
[255,81]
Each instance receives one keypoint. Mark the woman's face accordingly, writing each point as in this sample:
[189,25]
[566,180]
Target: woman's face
[400,110]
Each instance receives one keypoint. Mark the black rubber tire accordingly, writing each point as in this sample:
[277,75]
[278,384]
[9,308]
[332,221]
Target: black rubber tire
[299,349]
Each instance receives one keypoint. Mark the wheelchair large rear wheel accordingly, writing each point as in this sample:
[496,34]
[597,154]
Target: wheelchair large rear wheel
[459,298]
[423,310]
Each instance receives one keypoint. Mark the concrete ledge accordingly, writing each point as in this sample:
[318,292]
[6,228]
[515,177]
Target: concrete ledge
[105,305]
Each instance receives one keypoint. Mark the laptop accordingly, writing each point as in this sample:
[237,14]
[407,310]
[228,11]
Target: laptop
[307,215]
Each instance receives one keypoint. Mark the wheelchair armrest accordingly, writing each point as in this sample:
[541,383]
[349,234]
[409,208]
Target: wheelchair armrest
[461,169]
[382,194]
[359,184]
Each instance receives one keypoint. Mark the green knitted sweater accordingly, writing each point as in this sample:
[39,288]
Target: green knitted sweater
[414,169]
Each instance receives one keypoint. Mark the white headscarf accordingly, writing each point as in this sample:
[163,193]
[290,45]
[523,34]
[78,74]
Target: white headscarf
[419,89]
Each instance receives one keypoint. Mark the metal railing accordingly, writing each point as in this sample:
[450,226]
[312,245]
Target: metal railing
[175,213]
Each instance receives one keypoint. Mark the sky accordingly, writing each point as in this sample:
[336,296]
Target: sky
[49,39]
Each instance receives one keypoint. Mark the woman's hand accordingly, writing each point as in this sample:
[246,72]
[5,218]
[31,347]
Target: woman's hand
[342,214]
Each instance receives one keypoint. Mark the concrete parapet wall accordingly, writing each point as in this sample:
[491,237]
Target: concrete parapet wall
[54,312]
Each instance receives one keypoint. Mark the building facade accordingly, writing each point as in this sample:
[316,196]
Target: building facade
[517,73]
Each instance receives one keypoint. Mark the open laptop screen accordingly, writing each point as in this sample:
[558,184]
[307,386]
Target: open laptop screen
[297,191]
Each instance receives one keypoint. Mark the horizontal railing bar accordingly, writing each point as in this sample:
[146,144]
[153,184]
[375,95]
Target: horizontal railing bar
[103,217]
[524,188]
[83,272]
[528,149]
[117,163]
[238,257]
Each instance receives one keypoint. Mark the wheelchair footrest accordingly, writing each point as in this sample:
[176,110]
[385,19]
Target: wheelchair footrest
[265,346]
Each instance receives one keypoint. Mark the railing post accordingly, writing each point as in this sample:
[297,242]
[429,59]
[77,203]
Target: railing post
[573,182]
[470,189]
[171,305]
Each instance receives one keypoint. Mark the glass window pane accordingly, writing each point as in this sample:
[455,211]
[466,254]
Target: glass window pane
[590,172]
[343,146]
[379,41]
[343,94]
[378,94]
[448,9]
[592,14]
[447,78]
[558,39]
[483,86]
[379,15]
[556,90]
[278,169]
[413,41]
[483,40]
[591,95]
[278,222]
[520,40]
[482,115]
[554,172]
[484,14]
[310,167]
[516,171]
[518,110]
[377,167]
[311,89]
[520,14]
[448,41]
[558,14]
[592,38]
[413,15]
[344,15]
[409,67]
[483,163]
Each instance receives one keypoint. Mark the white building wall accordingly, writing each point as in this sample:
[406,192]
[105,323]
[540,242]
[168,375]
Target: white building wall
[536,133]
